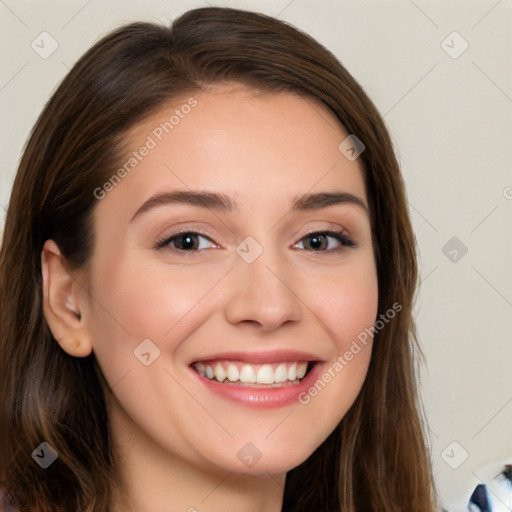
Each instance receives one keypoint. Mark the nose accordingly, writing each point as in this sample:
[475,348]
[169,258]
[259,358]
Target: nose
[261,294]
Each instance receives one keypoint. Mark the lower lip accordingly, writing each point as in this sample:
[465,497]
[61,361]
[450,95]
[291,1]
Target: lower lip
[265,398]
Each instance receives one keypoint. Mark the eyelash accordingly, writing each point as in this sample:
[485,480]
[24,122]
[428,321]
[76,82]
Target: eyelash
[340,236]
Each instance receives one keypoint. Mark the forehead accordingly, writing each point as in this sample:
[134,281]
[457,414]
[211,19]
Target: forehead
[253,144]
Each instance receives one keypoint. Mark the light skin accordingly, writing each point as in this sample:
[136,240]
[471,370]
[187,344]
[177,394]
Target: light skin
[176,442]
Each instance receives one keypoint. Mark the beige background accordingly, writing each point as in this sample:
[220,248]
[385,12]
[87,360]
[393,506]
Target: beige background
[451,119]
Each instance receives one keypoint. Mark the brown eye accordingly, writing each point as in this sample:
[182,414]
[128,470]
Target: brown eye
[185,241]
[316,242]
[319,241]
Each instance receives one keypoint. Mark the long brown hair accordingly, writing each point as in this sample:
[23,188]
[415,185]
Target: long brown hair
[377,459]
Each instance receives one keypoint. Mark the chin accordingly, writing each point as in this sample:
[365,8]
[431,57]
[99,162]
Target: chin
[251,461]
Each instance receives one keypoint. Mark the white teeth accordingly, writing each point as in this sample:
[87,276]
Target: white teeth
[232,372]
[281,375]
[292,372]
[247,375]
[220,374]
[301,370]
[265,375]
[253,374]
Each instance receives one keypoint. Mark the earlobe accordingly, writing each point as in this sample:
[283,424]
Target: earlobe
[61,303]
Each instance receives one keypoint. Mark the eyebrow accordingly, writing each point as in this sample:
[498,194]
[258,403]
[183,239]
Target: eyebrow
[223,203]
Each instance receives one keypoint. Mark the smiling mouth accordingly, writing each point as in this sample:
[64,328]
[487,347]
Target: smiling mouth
[242,374]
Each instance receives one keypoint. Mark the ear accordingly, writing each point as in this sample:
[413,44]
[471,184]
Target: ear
[63,299]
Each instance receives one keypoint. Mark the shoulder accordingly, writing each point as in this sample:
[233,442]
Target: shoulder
[6,504]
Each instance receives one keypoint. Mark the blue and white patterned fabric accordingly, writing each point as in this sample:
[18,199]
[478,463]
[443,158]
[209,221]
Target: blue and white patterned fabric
[495,496]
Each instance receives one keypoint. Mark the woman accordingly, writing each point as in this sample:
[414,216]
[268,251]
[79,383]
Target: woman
[207,277]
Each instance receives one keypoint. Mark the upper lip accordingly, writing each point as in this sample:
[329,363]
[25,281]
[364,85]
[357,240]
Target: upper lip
[261,357]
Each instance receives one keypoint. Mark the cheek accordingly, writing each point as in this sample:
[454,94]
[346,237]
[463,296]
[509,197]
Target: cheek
[346,301]
[135,301]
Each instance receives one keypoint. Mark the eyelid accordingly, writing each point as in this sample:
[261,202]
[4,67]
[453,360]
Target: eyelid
[332,228]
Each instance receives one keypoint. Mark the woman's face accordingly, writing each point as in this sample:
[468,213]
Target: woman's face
[273,274]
